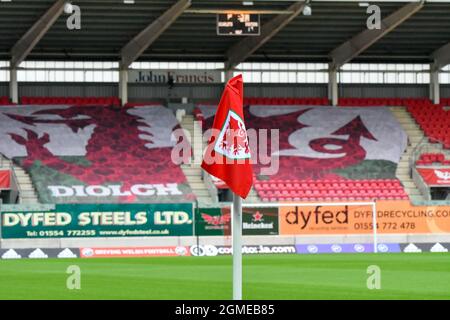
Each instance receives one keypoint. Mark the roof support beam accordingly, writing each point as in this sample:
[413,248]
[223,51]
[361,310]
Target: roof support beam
[123,86]
[333,88]
[434,84]
[29,40]
[441,56]
[244,48]
[363,40]
[13,86]
[146,37]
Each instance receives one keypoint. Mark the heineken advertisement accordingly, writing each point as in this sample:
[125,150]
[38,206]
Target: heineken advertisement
[255,221]
[260,221]
[99,220]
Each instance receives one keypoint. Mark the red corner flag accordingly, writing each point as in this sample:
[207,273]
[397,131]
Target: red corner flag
[227,155]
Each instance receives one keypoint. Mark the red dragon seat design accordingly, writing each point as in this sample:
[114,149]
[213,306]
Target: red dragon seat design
[95,154]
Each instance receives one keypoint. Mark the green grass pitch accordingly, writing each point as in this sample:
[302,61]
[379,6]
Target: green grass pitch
[327,276]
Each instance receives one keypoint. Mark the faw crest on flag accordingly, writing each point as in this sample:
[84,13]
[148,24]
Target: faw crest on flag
[227,155]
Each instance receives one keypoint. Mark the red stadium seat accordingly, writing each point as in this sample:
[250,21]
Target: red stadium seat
[78,101]
[336,190]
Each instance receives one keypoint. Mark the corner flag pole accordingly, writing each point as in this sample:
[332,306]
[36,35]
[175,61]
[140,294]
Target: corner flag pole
[237,247]
[232,143]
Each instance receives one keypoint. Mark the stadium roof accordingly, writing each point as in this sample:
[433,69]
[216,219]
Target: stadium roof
[108,25]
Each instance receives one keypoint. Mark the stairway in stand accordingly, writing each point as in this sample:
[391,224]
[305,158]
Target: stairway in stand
[193,171]
[27,193]
[415,136]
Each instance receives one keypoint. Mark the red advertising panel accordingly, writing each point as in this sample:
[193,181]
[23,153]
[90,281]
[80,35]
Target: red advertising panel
[5,179]
[435,177]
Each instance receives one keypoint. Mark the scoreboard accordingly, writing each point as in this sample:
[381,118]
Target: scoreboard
[238,24]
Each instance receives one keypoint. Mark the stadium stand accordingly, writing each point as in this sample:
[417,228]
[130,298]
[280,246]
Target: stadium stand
[347,107]
[328,190]
[434,121]
[284,191]
[327,166]
[75,101]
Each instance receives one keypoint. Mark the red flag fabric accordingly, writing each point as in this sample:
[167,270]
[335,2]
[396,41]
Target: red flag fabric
[227,155]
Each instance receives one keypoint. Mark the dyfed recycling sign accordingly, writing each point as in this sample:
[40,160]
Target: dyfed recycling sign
[99,220]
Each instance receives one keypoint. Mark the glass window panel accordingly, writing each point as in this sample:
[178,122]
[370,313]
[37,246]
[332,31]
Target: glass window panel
[68,76]
[310,77]
[21,75]
[266,77]
[98,77]
[265,66]
[346,77]
[78,76]
[39,65]
[257,77]
[4,76]
[372,77]
[59,64]
[283,77]
[320,77]
[246,76]
[301,77]
[410,78]
[89,65]
[115,76]
[59,76]
[347,66]
[41,76]
[69,65]
[274,77]
[89,75]
[292,77]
